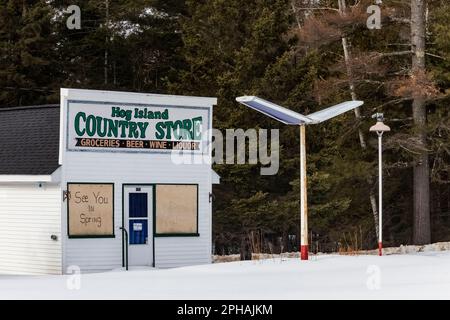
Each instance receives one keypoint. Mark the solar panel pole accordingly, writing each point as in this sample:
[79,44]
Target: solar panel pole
[303,197]
[290,117]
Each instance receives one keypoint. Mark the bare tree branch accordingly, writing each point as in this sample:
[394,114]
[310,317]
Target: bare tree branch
[435,55]
[321,8]
[396,53]
[402,20]
[395,101]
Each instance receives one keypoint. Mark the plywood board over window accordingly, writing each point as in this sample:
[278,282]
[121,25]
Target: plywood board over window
[176,209]
[90,210]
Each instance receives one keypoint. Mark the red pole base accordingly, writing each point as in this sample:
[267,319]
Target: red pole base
[380,249]
[304,252]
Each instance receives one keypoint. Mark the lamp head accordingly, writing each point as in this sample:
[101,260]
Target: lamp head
[378,116]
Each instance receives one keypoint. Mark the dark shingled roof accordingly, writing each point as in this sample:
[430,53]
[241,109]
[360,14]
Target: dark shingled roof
[29,139]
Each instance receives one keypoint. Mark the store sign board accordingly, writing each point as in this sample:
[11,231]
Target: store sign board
[108,126]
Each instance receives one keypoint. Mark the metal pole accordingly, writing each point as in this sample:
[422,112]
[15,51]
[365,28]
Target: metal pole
[380,194]
[124,257]
[303,198]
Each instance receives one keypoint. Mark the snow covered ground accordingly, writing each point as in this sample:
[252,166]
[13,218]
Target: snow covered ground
[410,276]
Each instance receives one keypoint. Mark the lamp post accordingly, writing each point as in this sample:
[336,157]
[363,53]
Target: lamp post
[380,128]
[290,117]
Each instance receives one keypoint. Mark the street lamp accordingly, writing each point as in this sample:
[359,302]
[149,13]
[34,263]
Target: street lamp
[380,128]
[290,117]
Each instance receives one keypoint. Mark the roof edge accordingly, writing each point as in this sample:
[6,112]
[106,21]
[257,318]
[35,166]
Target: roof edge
[42,106]
[75,93]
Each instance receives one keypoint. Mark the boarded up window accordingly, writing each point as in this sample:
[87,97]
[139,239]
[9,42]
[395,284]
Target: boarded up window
[176,209]
[90,210]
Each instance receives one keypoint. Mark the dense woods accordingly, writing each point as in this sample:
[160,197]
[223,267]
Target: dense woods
[302,54]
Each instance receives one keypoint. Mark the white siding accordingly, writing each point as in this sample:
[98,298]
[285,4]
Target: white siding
[95,254]
[29,215]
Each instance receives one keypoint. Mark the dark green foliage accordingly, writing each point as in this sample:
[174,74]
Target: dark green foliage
[140,39]
[39,54]
[27,55]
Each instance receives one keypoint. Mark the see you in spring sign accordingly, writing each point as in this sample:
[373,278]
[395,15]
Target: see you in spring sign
[105,126]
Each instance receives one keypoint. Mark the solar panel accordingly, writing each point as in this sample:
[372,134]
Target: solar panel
[293,118]
[274,111]
[334,111]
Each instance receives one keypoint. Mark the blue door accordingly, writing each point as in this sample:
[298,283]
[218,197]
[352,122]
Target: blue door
[138,221]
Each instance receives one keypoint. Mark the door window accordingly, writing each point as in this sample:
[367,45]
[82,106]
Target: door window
[138,218]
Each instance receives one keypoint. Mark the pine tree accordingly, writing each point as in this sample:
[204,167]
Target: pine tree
[27,53]
[122,45]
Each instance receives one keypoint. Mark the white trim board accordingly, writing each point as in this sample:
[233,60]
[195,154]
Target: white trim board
[134,97]
[54,177]
[25,178]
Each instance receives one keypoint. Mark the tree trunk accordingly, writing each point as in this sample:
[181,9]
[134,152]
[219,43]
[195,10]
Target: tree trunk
[357,111]
[422,230]
[105,66]
[246,253]
[295,14]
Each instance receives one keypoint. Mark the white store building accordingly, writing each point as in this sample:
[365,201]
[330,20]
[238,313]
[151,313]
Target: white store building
[106,179]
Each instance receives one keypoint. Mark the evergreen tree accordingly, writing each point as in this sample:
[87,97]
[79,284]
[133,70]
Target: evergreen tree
[27,53]
[125,45]
[122,45]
